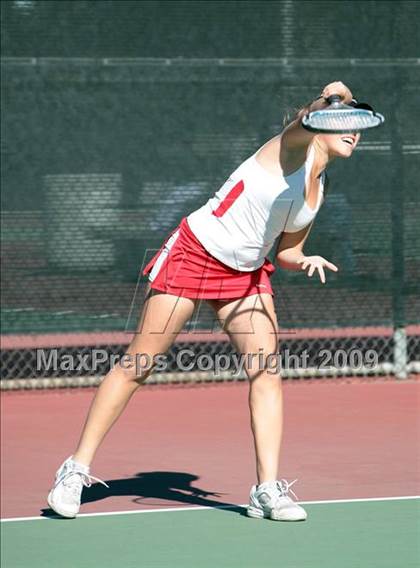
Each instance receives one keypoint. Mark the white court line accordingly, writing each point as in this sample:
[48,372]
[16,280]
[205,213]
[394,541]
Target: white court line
[192,508]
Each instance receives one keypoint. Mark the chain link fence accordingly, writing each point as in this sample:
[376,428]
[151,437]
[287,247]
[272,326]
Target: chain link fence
[108,141]
[212,358]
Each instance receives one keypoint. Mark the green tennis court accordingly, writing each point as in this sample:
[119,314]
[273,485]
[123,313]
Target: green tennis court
[371,534]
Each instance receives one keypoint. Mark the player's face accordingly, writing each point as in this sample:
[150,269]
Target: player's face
[340,145]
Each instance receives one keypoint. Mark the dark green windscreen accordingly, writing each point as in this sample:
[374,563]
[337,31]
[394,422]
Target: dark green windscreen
[211,28]
[104,150]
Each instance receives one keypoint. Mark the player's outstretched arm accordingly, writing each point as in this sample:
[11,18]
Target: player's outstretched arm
[295,138]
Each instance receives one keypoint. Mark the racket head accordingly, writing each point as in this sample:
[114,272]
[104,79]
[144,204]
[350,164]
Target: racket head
[342,119]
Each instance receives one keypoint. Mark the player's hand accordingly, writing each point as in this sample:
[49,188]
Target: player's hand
[338,88]
[312,263]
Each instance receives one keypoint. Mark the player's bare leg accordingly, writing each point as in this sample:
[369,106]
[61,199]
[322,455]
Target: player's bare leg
[252,326]
[163,317]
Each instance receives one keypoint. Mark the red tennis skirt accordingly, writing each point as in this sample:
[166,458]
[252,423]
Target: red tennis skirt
[183,267]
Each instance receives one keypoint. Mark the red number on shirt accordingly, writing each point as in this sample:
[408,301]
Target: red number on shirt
[228,201]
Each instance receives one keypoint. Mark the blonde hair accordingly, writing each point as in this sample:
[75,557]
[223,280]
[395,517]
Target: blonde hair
[295,114]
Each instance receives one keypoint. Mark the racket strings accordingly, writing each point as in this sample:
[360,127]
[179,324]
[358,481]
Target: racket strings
[343,120]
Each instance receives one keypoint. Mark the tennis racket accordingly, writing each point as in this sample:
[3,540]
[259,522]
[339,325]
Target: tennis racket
[339,118]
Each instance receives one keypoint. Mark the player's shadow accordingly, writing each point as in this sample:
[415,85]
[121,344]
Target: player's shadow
[173,486]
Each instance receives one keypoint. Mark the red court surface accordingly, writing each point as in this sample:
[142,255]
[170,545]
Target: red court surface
[342,440]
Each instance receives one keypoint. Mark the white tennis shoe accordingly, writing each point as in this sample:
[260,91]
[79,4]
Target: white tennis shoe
[71,477]
[271,500]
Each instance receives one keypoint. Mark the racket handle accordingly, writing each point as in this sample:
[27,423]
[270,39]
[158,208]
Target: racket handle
[333,99]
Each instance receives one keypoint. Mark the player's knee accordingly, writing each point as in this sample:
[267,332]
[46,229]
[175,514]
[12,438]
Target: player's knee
[264,364]
[136,367]
[264,381]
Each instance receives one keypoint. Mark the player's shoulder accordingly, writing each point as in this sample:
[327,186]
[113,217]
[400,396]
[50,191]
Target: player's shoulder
[268,156]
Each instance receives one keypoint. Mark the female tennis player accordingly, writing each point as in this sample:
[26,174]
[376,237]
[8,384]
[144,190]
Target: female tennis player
[218,253]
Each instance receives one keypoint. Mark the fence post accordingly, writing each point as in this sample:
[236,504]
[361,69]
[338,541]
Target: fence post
[400,352]
[397,220]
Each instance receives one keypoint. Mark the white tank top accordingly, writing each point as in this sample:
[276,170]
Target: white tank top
[241,222]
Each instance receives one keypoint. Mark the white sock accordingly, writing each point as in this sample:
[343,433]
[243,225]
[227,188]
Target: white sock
[81,466]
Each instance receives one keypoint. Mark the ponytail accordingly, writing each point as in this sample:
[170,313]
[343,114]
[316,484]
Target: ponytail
[296,114]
